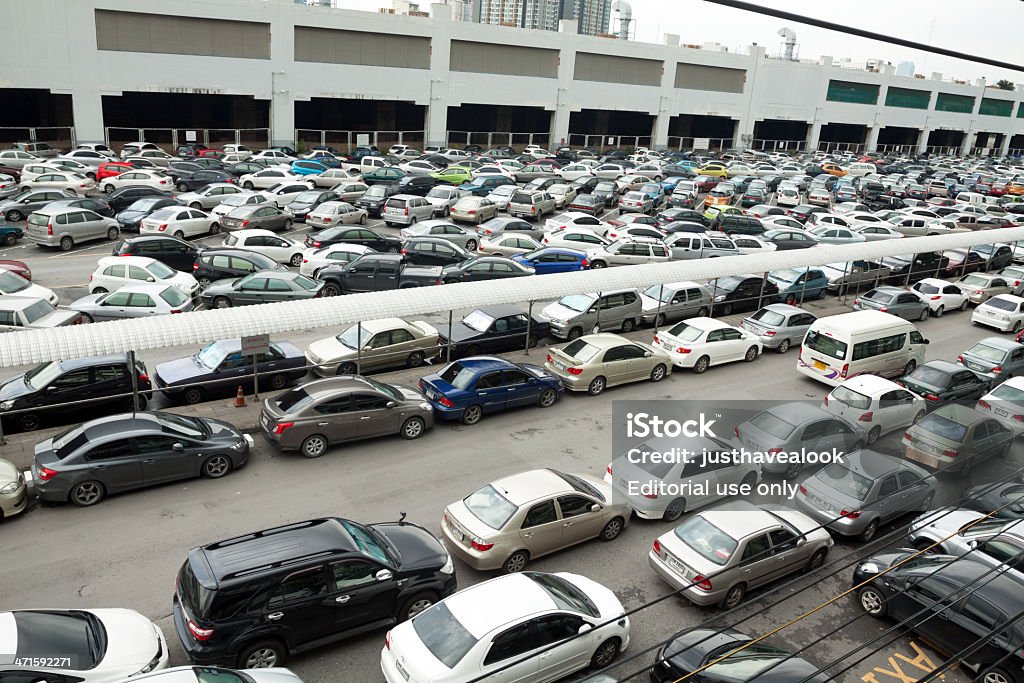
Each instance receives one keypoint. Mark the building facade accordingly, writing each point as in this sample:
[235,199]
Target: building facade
[289,68]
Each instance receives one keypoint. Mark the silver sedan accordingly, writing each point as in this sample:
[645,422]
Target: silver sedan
[132,301]
[209,196]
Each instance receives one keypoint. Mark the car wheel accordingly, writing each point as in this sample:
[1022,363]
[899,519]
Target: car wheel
[192,395]
[872,601]
[413,428]
[414,360]
[362,219]
[726,309]
[419,602]
[248,185]
[873,435]
[547,398]
[659,320]
[28,422]
[612,529]
[869,531]
[10,240]
[287,224]
[703,312]
[14,216]
[313,446]
[222,302]
[702,364]
[99,290]
[472,415]
[751,354]
[574,333]
[180,234]
[216,467]
[182,187]
[295,261]
[86,318]
[659,372]
[394,249]
[783,347]
[204,282]
[347,369]
[262,655]
[996,675]
[791,299]
[817,559]
[277,382]
[86,493]
[1016,327]
[596,385]
[674,510]
[963,306]
[734,597]
[214,228]
[597,264]
[909,367]
[331,289]
[531,341]
[628,324]
[605,654]
[516,562]
[109,188]
[66,244]
[924,315]
[792,471]
[471,245]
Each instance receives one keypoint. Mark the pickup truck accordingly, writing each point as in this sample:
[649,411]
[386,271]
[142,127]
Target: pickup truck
[366,164]
[376,273]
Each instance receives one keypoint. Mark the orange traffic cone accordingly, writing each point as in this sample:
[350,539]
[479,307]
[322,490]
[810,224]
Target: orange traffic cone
[240,398]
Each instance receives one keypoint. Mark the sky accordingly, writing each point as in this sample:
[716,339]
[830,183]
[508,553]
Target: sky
[973,28]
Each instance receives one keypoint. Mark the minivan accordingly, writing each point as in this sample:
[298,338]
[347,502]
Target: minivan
[838,347]
[66,227]
[674,301]
[578,314]
[407,209]
[531,204]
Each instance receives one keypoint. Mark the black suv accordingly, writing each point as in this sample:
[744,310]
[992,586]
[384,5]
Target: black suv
[104,383]
[375,197]
[252,600]
[736,224]
[418,185]
[170,251]
[221,264]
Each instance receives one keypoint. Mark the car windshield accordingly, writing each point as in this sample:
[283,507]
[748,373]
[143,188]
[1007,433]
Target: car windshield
[353,336]
[577,302]
[845,481]
[564,594]
[851,398]
[930,377]
[440,192]
[212,355]
[1001,303]
[307,197]
[375,191]
[161,271]
[581,485]
[986,352]
[785,275]
[457,375]
[236,200]
[12,282]
[605,187]
[490,507]
[975,281]
[767,316]
[37,311]
[686,332]
[443,635]
[1006,392]
[826,345]
[478,320]
[368,542]
[773,424]
[75,638]
[660,293]
[942,427]
[707,540]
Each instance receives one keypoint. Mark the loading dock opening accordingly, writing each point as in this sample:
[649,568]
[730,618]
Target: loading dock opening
[842,137]
[897,139]
[490,125]
[342,123]
[605,129]
[685,128]
[779,135]
[35,114]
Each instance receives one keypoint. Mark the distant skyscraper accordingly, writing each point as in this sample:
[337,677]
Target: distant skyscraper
[593,15]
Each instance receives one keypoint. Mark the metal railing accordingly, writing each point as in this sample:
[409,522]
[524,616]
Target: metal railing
[347,140]
[687,144]
[609,141]
[943,150]
[840,146]
[169,138]
[60,137]
[489,140]
[896,149]
[778,145]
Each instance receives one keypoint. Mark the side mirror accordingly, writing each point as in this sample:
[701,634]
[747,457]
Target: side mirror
[178,446]
[584,628]
[383,575]
[390,404]
[150,279]
[926,341]
[592,310]
[595,508]
[800,541]
[647,354]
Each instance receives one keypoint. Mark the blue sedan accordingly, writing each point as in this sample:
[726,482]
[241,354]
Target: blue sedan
[554,260]
[468,389]
[308,167]
[655,192]
[799,284]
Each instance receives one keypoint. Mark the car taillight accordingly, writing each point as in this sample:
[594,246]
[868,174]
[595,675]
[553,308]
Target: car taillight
[480,544]
[199,633]
[978,291]
[281,426]
[316,244]
[850,514]
[446,402]
[769,333]
[49,228]
[143,377]
[245,222]
[702,583]
[982,403]
[404,252]
[802,489]
[846,369]
[162,227]
[656,549]
[996,369]
[609,468]
[826,399]
[931,397]
[574,371]
[46,474]
[866,417]
[950,453]
[884,309]
[774,451]
[195,266]
[387,640]
[175,310]
[327,220]
[682,349]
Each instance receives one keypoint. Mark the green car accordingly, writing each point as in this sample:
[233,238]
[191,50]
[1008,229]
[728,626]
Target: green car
[453,175]
[383,176]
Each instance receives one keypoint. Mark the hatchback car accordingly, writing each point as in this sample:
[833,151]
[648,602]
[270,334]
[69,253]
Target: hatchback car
[114,271]
[265,242]
[13,490]
[492,329]
[955,438]
[64,228]
[469,388]
[941,296]
[877,404]
[529,614]
[895,301]
[941,382]
[699,343]
[126,451]
[571,315]
[991,540]
[779,326]
[740,546]
[521,517]
[980,287]
[594,362]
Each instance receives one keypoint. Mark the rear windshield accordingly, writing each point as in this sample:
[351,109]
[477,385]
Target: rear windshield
[929,377]
[1001,304]
[37,311]
[851,398]
[846,481]
[1006,392]
[879,296]
[490,507]
[395,203]
[212,605]
[38,219]
[927,289]
[707,540]
[522,198]
[943,427]
[823,344]
[987,352]
[769,317]
[78,636]
[564,594]
[443,634]
[685,332]
[580,350]
[173,296]
[293,400]
[456,375]
[773,424]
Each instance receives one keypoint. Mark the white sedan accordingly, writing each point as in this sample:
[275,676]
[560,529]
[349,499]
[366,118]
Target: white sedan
[1004,312]
[268,177]
[315,258]
[875,403]
[180,221]
[283,194]
[15,285]
[749,244]
[114,271]
[874,232]
[575,219]
[154,179]
[699,343]
[109,644]
[1006,403]
[941,296]
[509,244]
[831,234]
[574,238]
[233,201]
[281,249]
[573,172]
[456,640]
[562,194]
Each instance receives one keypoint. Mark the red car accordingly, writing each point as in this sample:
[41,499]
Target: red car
[211,154]
[706,183]
[997,190]
[111,169]
[18,268]
[11,171]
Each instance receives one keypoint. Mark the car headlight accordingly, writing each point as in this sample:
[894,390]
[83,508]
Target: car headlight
[6,405]
[449,566]
[720,297]
[9,489]
[238,446]
[869,568]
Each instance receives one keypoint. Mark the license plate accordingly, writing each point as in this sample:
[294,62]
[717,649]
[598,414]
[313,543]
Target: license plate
[558,366]
[458,535]
[676,566]
[265,421]
[401,670]
[819,503]
[666,345]
[818,365]
[1002,413]
[431,395]
[976,366]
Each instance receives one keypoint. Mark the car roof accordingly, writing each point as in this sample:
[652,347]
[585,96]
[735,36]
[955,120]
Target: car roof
[506,598]
[873,464]
[870,384]
[127,259]
[740,518]
[797,413]
[147,287]
[89,361]
[1005,344]
[965,415]
[526,487]
[18,303]
[483,363]
[944,366]
[707,324]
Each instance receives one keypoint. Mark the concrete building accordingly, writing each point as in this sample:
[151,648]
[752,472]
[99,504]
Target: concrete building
[275,71]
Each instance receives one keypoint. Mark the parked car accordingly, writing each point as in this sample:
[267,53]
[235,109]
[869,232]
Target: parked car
[306,202]
[17,207]
[941,295]
[374,345]
[113,272]
[492,329]
[594,362]
[779,326]
[334,213]
[735,293]
[12,284]
[699,343]
[445,229]
[23,313]
[264,287]
[895,301]
[955,438]
[64,228]
[941,382]
[217,263]
[404,566]
[133,301]
[797,285]
[374,199]
[265,242]
[877,404]
[259,217]
[571,315]
[735,548]
[170,251]
[1004,312]
[179,221]
[994,358]
[130,219]
[314,259]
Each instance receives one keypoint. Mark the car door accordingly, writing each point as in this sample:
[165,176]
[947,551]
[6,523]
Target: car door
[115,464]
[375,418]
[757,564]
[166,458]
[788,555]
[615,365]
[733,344]
[249,291]
[278,290]
[507,647]
[140,305]
[301,608]
[359,596]
[580,521]
[541,530]
[107,381]
[490,391]
[276,248]
[113,307]
[571,656]
[914,491]
[74,385]
[965,385]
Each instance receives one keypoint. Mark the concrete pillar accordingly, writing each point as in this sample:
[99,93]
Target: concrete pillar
[659,138]
[814,136]
[1004,148]
[440,57]
[968,143]
[871,144]
[87,109]
[281,83]
[86,104]
[922,140]
[566,67]
[666,102]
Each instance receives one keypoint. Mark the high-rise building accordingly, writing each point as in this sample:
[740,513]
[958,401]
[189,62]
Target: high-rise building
[593,15]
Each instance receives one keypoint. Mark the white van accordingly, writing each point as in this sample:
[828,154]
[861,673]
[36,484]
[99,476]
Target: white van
[972,198]
[838,347]
[861,168]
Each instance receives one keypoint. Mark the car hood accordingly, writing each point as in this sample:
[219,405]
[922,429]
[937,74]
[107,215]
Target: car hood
[181,370]
[418,548]
[15,387]
[557,311]
[221,430]
[132,639]
[131,216]
[187,197]
[945,521]
[460,332]
[57,318]
[330,349]
[8,472]
[225,286]
[299,206]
